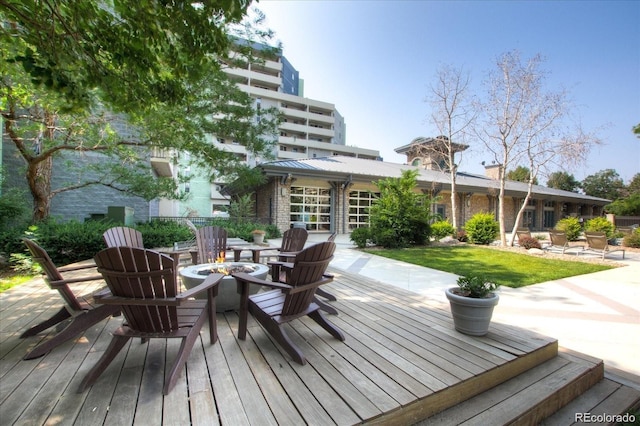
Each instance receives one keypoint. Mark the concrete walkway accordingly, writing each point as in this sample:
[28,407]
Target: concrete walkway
[596,314]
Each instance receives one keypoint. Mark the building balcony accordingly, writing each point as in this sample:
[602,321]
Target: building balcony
[162,162]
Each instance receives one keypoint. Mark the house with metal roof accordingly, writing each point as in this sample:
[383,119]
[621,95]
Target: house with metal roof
[334,194]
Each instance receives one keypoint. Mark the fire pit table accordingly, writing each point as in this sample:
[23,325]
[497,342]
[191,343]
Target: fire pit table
[228,298]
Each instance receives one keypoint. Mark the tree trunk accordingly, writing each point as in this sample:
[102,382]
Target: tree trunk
[454,206]
[39,179]
[39,170]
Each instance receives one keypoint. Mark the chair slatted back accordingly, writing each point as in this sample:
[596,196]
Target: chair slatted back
[523,232]
[309,267]
[597,240]
[52,274]
[294,239]
[123,236]
[558,238]
[144,275]
[211,242]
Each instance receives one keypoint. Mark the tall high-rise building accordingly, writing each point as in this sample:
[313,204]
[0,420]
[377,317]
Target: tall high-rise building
[310,128]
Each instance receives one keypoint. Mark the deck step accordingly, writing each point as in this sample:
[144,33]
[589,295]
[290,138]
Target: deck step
[532,396]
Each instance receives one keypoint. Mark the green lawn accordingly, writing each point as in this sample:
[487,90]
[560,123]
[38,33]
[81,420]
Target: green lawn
[12,280]
[500,266]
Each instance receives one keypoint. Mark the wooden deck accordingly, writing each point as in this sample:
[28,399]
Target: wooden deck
[402,361]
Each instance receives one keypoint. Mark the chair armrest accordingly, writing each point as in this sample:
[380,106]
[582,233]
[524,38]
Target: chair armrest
[246,278]
[62,283]
[75,268]
[211,281]
[288,254]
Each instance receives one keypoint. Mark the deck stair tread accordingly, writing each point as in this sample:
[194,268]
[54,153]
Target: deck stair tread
[548,394]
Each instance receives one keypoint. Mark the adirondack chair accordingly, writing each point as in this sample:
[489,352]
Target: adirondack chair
[211,243]
[142,284]
[123,236]
[560,242]
[293,241]
[287,302]
[597,243]
[82,310]
[281,269]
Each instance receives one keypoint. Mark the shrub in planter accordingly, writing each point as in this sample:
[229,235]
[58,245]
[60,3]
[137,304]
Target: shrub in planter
[482,228]
[570,226]
[472,304]
[442,229]
[529,243]
[600,224]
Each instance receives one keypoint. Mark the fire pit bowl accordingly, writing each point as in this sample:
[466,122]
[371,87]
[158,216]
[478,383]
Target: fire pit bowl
[228,298]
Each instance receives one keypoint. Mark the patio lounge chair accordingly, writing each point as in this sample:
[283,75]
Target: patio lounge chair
[560,242]
[597,243]
[522,232]
[82,310]
[123,236]
[142,284]
[287,302]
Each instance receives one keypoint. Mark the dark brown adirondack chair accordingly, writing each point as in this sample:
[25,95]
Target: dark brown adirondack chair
[142,284]
[323,293]
[211,242]
[293,241]
[287,302]
[123,236]
[82,309]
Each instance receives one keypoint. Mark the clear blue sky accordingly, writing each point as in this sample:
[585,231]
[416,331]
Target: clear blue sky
[375,60]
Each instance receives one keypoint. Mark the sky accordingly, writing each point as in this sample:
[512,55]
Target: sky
[376,61]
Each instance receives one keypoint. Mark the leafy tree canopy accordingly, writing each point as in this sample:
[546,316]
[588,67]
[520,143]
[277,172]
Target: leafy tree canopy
[634,185]
[564,181]
[124,80]
[130,51]
[604,184]
[521,174]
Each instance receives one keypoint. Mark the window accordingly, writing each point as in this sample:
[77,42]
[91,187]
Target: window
[359,204]
[441,210]
[311,205]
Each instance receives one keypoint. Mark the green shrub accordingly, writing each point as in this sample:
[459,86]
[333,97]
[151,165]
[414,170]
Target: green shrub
[482,228]
[600,224]
[570,226]
[529,243]
[632,240]
[475,286]
[163,233]
[69,242]
[442,229]
[359,236]
[400,216]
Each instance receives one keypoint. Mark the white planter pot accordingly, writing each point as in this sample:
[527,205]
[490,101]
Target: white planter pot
[471,315]
[258,238]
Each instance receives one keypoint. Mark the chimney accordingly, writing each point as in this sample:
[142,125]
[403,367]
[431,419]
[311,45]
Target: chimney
[493,171]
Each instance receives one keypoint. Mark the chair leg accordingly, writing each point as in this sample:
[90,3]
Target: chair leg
[183,354]
[58,317]
[324,306]
[79,324]
[325,294]
[322,321]
[117,343]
